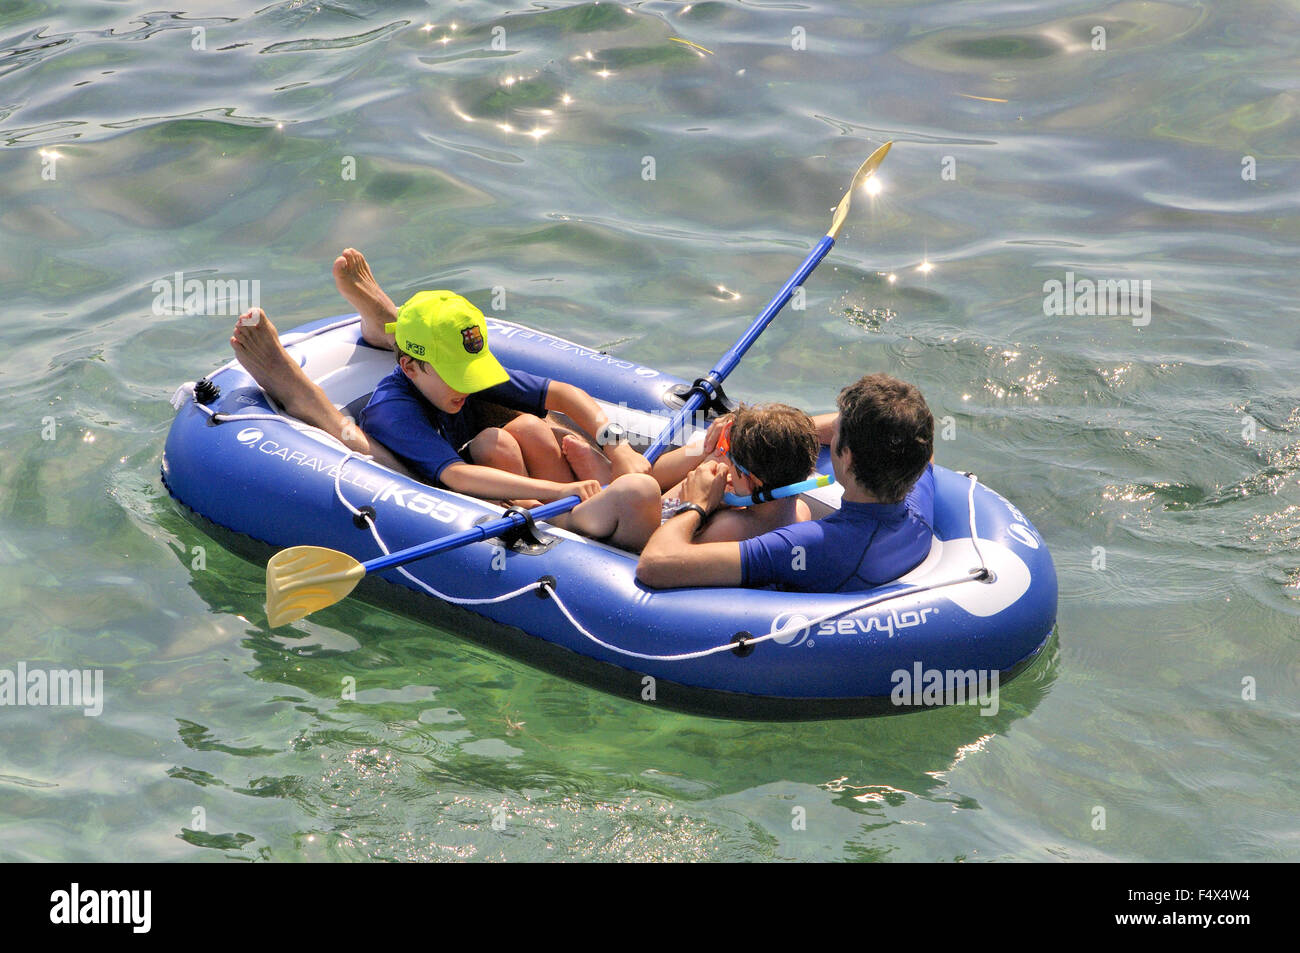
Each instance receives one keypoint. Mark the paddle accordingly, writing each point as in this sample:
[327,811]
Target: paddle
[302,579]
[729,360]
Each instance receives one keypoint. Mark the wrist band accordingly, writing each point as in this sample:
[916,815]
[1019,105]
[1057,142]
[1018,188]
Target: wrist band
[694,508]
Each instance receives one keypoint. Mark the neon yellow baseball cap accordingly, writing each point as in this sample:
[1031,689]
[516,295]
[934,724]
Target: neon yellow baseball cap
[444,329]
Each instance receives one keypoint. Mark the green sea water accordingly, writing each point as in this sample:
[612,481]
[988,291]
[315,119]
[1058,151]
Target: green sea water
[631,191]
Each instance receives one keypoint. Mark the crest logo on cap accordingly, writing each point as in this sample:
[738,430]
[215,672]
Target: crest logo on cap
[472,338]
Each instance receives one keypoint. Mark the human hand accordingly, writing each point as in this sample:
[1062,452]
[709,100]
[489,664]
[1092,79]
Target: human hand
[715,431]
[705,485]
[583,489]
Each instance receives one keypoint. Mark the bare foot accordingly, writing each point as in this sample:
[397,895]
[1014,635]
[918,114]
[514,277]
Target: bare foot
[257,347]
[585,460]
[357,283]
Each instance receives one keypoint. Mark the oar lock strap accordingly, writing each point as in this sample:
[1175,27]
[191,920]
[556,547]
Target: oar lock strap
[524,537]
[716,401]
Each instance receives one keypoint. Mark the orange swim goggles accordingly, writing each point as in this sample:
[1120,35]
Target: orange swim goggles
[724,446]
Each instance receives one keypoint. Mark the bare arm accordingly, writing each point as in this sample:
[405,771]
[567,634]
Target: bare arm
[734,525]
[824,423]
[578,406]
[673,558]
[671,468]
[493,484]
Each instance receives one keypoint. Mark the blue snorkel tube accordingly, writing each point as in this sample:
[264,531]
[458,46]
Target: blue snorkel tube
[780,493]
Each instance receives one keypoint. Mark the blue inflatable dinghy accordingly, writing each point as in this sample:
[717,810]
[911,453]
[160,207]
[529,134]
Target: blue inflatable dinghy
[980,607]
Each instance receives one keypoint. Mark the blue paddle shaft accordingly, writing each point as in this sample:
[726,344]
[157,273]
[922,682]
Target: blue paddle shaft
[729,360]
[472,535]
[719,373]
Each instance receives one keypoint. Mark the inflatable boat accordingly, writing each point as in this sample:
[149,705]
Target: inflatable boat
[975,612]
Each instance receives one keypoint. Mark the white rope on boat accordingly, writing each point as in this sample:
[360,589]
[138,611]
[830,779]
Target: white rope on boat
[970,510]
[295,424]
[644,656]
[731,646]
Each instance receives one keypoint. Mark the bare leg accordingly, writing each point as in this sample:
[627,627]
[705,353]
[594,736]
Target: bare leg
[624,514]
[257,347]
[671,468]
[356,283]
[495,447]
[540,450]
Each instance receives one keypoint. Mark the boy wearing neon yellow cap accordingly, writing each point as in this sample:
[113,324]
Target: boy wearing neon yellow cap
[425,413]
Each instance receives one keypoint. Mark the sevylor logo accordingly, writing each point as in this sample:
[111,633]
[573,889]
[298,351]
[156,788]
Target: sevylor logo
[249,435]
[793,626]
[1020,530]
[888,624]
[1022,534]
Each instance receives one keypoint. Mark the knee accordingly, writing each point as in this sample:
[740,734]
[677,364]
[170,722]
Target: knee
[637,485]
[494,447]
[637,488]
[532,434]
[637,506]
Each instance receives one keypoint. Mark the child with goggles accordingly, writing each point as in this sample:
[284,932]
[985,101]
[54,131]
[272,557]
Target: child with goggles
[765,448]
[882,447]
[762,448]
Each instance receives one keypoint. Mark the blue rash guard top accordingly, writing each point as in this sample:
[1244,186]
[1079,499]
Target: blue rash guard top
[426,439]
[862,546]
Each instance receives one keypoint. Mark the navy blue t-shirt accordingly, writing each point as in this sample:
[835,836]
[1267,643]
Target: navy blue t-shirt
[426,439]
[862,546]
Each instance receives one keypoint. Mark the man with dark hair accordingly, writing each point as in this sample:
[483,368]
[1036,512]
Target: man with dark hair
[890,433]
[882,443]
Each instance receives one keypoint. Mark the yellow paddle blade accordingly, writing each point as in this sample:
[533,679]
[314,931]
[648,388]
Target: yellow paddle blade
[865,171]
[302,579]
